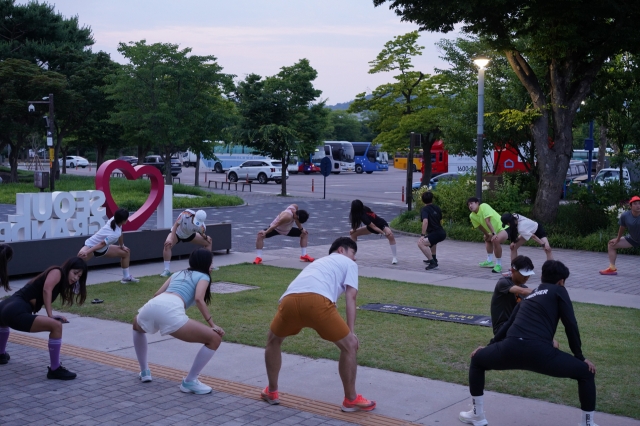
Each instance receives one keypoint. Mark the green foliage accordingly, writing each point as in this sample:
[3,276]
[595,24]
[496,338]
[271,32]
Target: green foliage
[344,126]
[507,197]
[450,197]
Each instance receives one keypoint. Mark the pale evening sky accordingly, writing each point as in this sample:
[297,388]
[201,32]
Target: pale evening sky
[339,37]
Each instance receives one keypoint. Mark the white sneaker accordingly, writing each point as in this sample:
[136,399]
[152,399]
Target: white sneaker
[471,418]
[129,280]
[166,273]
[145,376]
[194,387]
[394,261]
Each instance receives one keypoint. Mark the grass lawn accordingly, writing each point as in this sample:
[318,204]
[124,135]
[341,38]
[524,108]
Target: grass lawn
[433,349]
[128,194]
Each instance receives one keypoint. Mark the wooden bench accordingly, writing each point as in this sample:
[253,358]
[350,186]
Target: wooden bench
[222,184]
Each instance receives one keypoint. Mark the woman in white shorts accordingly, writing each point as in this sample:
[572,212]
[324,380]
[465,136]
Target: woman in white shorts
[166,313]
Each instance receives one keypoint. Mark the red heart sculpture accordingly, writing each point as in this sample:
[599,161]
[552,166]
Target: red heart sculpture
[137,219]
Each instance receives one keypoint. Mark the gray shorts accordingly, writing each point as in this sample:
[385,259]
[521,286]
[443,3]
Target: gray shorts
[631,241]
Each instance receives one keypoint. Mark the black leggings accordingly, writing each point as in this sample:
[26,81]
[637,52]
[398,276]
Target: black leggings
[15,312]
[537,356]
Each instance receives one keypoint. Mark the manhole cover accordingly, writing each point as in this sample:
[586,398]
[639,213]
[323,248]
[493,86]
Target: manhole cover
[225,287]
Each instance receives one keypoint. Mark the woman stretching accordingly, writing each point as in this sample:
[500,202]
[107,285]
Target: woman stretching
[373,224]
[6,253]
[102,244]
[166,313]
[18,311]
[521,230]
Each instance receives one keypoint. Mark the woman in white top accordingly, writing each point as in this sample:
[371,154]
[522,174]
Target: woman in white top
[166,313]
[521,230]
[102,243]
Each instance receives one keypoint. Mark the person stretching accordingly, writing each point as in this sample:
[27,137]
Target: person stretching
[488,222]
[283,225]
[432,230]
[509,291]
[520,230]
[373,224]
[628,220]
[166,313]
[6,253]
[189,227]
[310,301]
[102,243]
[69,281]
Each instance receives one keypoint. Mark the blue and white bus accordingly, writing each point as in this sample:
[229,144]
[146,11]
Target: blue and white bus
[230,156]
[369,158]
[340,153]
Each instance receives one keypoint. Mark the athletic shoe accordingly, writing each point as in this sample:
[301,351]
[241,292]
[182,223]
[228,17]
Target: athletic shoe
[145,376]
[257,261]
[306,258]
[166,273]
[359,404]
[4,358]
[431,266]
[194,387]
[497,269]
[507,274]
[394,261]
[272,398]
[486,264]
[609,271]
[60,373]
[473,419]
[129,280]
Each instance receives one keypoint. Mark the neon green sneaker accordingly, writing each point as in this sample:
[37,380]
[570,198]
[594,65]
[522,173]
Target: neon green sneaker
[486,264]
[497,269]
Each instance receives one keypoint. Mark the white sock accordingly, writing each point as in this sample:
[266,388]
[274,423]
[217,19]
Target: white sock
[259,252]
[303,250]
[125,272]
[140,345]
[167,265]
[489,257]
[478,404]
[587,418]
[393,250]
[499,261]
[202,358]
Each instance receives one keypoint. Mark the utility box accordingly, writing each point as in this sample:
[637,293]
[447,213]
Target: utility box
[41,180]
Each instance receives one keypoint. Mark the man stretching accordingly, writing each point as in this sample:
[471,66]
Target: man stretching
[283,225]
[628,220]
[485,218]
[310,301]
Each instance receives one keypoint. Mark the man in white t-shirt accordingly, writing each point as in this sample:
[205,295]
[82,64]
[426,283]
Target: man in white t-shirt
[310,301]
[283,225]
[189,227]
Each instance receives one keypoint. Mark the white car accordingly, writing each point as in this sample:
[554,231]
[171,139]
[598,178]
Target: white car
[261,170]
[613,174]
[74,161]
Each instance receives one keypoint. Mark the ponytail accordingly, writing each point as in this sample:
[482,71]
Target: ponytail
[6,253]
[512,231]
[119,217]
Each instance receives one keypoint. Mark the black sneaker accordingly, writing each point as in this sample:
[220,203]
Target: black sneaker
[4,358]
[432,265]
[60,373]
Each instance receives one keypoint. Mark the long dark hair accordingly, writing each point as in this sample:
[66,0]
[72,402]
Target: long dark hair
[6,253]
[118,217]
[355,214]
[67,293]
[511,220]
[200,261]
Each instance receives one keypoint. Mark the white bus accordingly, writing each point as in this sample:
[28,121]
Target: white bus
[226,156]
[341,154]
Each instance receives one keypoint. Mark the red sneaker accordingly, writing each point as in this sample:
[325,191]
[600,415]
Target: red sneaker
[609,271]
[257,261]
[359,404]
[271,397]
[306,258]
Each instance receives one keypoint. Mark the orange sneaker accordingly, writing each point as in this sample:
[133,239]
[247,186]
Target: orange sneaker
[306,258]
[359,404]
[257,261]
[609,271]
[271,397]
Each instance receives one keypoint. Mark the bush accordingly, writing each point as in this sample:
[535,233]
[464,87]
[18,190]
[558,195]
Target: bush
[450,197]
[508,198]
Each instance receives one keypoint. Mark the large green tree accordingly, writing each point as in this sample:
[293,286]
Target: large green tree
[572,40]
[278,113]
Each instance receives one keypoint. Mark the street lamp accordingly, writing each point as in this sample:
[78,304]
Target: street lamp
[481,62]
[50,132]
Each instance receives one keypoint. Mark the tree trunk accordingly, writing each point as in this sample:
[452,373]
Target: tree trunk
[602,148]
[427,143]
[13,162]
[167,167]
[283,184]
[64,152]
[197,181]
[101,151]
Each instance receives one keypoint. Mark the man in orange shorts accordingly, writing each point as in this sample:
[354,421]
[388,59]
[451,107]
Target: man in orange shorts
[310,301]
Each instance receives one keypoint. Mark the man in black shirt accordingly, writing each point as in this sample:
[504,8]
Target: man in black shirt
[525,342]
[509,291]
[432,231]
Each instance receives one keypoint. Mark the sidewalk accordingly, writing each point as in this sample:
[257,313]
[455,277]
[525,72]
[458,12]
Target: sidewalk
[313,391]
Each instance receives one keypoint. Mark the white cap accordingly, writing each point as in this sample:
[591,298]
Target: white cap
[200,217]
[526,272]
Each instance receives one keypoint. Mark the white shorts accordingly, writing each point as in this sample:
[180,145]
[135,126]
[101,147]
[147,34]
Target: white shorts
[164,313]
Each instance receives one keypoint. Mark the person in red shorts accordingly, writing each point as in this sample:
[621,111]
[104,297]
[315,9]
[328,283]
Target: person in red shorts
[310,301]
[283,225]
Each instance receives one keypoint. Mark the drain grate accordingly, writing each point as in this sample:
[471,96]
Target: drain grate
[223,287]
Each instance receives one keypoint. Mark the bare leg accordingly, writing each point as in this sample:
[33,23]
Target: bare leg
[259,242]
[547,248]
[514,251]
[168,245]
[360,231]
[613,252]
[304,238]
[44,323]
[273,359]
[425,247]
[390,237]
[196,332]
[348,365]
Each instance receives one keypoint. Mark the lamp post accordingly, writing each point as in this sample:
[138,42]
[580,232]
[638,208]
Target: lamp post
[50,132]
[481,62]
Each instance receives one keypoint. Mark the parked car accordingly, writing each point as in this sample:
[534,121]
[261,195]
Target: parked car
[158,162]
[613,174]
[74,160]
[443,178]
[261,170]
[129,159]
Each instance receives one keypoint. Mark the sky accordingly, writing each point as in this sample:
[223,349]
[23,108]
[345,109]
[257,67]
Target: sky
[339,37]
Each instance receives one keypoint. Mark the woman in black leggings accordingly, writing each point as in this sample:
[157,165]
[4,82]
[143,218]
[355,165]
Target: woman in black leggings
[18,311]
[525,342]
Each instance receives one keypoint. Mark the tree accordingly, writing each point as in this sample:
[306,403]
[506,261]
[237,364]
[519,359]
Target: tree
[343,126]
[277,113]
[410,104]
[572,41]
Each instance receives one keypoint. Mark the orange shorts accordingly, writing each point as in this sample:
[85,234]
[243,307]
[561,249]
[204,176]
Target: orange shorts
[312,310]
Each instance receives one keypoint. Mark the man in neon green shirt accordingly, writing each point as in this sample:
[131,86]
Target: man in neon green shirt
[487,220]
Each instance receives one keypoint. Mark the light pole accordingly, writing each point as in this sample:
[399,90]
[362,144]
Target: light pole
[481,62]
[50,132]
